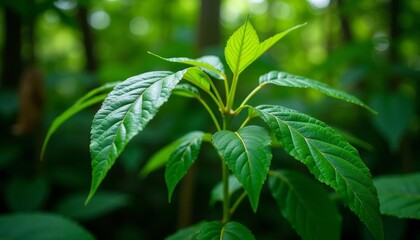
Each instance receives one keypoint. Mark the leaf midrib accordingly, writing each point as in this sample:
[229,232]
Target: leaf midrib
[182,159]
[345,180]
[126,114]
[248,159]
[293,189]
[240,50]
[335,169]
[222,232]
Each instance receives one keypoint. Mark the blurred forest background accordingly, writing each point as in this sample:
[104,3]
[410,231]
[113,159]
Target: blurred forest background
[54,51]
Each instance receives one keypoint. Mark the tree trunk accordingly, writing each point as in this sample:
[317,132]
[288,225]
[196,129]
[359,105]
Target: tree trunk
[91,62]
[209,24]
[344,22]
[12,57]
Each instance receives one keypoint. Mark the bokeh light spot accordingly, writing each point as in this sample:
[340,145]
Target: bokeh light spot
[281,10]
[319,3]
[65,4]
[99,20]
[258,7]
[380,41]
[139,26]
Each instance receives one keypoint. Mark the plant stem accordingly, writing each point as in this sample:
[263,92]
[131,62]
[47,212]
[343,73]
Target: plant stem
[226,198]
[250,95]
[218,102]
[226,88]
[225,176]
[237,202]
[232,93]
[245,122]
[216,92]
[216,123]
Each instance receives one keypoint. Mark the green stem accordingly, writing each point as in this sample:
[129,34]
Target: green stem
[219,99]
[245,122]
[250,95]
[232,93]
[226,197]
[226,88]
[225,177]
[237,202]
[213,117]
[218,102]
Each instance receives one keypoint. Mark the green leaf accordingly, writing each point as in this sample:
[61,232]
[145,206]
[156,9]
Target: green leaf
[103,203]
[125,112]
[396,112]
[189,233]
[210,64]
[305,205]
[241,48]
[230,231]
[159,159]
[84,102]
[217,192]
[186,90]
[41,226]
[248,155]
[26,194]
[268,43]
[101,89]
[216,63]
[330,158]
[288,80]
[399,195]
[198,77]
[182,159]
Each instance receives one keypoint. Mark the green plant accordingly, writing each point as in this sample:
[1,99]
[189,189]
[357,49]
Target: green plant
[244,149]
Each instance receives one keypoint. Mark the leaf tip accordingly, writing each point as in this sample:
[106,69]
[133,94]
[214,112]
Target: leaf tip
[92,192]
[373,111]
[88,199]
[42,155]
[169,196]
[153,54]
[254,203]
[299,26]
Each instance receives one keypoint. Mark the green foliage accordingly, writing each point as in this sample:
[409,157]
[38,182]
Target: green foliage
[241,48]
[41,226]
[189,233]
[244,47]
[288,80]
[329,157]
[93,97]
[399,195]
[102,204]
[211,64]
[217,192]
[302,200]
[245,151]
[125,112]
[181,159]
[26,194]
[396,112]
[228,231]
